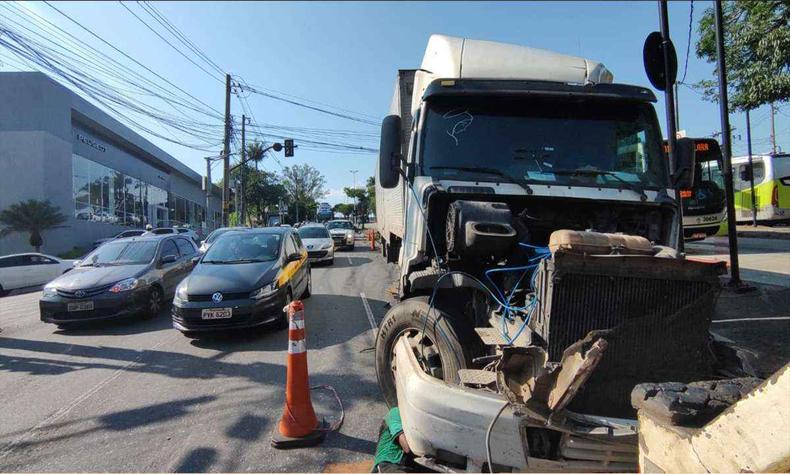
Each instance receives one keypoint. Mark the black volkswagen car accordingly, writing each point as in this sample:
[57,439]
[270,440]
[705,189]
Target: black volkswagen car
[124,277]
[243,280]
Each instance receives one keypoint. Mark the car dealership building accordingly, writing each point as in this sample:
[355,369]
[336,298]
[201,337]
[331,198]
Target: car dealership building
[104,177]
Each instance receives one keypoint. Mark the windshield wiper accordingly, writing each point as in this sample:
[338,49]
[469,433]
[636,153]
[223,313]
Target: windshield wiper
[492,171]
[585,172]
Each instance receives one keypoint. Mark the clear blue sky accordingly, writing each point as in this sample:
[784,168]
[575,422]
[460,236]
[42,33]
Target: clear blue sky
[347,54]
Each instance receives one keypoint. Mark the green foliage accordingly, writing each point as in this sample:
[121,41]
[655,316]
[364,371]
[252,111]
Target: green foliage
[304,186]
[371,187]
[365,198]
[757,52]
[345,209]
[33,217]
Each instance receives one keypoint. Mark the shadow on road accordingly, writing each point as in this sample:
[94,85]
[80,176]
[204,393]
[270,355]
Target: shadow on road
[197,460]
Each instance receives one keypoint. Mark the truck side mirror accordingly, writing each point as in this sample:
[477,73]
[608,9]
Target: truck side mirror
[685,161]
[389,151]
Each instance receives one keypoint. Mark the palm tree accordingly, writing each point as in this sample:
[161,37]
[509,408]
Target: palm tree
[255,152]
[31,216]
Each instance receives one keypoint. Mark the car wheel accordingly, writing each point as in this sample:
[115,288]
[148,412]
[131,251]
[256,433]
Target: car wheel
[154,304]
[2,291]
[443,343]
[332,261]
[309,287]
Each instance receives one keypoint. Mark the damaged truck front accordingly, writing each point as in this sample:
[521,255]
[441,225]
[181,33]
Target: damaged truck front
[528,203]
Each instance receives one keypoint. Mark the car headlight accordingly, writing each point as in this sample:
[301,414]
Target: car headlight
[349,235]
[181,292]
[264,292]
[50,291]
[326,245]
[125,285]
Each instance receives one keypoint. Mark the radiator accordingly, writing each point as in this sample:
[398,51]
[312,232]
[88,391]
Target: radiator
[655,312]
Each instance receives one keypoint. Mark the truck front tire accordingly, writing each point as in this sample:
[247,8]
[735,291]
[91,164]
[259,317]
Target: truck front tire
[452,336]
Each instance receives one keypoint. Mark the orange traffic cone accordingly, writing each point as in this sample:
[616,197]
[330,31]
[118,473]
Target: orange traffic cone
[298,426]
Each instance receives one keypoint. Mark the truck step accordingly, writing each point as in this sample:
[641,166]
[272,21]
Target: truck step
[475,377]
[491,336]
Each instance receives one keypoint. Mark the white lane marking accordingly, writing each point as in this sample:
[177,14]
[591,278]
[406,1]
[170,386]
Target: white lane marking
[777,318]
[31,433]
[368,311]
[349,260]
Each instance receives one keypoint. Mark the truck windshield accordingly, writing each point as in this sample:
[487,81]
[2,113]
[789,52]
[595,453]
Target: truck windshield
[583,142]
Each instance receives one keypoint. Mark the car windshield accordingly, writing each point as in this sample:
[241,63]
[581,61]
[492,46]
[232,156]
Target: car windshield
[213,236]
[339,225]
[582,142]
[313,233]
[121,253]
[244,248]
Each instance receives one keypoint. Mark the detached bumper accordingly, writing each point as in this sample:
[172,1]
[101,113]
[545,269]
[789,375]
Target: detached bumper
[439,416]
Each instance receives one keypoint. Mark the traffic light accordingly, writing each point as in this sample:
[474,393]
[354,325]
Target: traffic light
[289,147]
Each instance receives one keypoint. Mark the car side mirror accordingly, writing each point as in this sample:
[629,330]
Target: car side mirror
[685,161]
[168,259]
[294,257]
[76,263]
[390,152]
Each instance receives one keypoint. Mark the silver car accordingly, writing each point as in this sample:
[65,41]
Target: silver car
[318,242]
[342,232]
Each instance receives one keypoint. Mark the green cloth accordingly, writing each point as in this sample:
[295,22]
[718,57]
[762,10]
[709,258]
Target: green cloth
[388,449]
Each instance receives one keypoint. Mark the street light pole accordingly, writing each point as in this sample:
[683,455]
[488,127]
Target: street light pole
[354,187]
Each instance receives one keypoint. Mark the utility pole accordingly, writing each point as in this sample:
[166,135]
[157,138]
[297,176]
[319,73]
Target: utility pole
[226,156]
[751,166]
[735,274]
[208,191]
[773,130]
[243,204]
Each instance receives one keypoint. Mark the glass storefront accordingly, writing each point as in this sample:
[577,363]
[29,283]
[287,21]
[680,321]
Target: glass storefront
[102,194]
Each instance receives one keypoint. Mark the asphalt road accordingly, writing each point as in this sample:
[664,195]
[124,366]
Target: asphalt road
[139,396]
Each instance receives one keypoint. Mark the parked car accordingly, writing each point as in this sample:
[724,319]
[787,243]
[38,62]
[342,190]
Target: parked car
[214,235]
[30,269]
[342,231]
[121,235]
[125,277]
[175,230]
[244,280]
[318,241]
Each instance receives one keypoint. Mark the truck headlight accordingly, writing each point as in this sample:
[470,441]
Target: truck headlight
[49,291]
[125,285]
[264,292]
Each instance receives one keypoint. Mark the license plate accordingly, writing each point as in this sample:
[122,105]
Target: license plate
[216,313]
[80,306]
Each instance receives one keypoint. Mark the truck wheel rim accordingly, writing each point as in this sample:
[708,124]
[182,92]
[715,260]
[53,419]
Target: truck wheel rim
[424,349]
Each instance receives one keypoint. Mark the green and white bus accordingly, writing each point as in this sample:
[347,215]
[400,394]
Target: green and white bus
[704,205]
[771,188]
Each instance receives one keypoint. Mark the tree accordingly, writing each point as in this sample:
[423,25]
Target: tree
[31,216]
[262,189]
[371,188]
[345,209]
[757,52]
[304,185]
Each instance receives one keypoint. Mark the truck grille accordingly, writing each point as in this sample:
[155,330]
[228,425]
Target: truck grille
[656,313]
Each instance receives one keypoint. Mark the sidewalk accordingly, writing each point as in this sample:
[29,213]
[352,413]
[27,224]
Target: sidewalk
[763,232]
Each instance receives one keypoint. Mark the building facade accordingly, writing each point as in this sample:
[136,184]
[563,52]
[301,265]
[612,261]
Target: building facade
[103,176]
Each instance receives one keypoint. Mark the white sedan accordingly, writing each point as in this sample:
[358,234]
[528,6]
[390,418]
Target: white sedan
[30,269]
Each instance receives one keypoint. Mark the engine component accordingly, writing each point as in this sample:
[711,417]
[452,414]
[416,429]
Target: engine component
[479,229]
[595,243]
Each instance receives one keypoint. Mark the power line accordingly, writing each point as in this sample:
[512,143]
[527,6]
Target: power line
[688,45]
[162,20]
[170,44]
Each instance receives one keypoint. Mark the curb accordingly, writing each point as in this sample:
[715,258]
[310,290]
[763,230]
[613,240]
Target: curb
[761,234]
